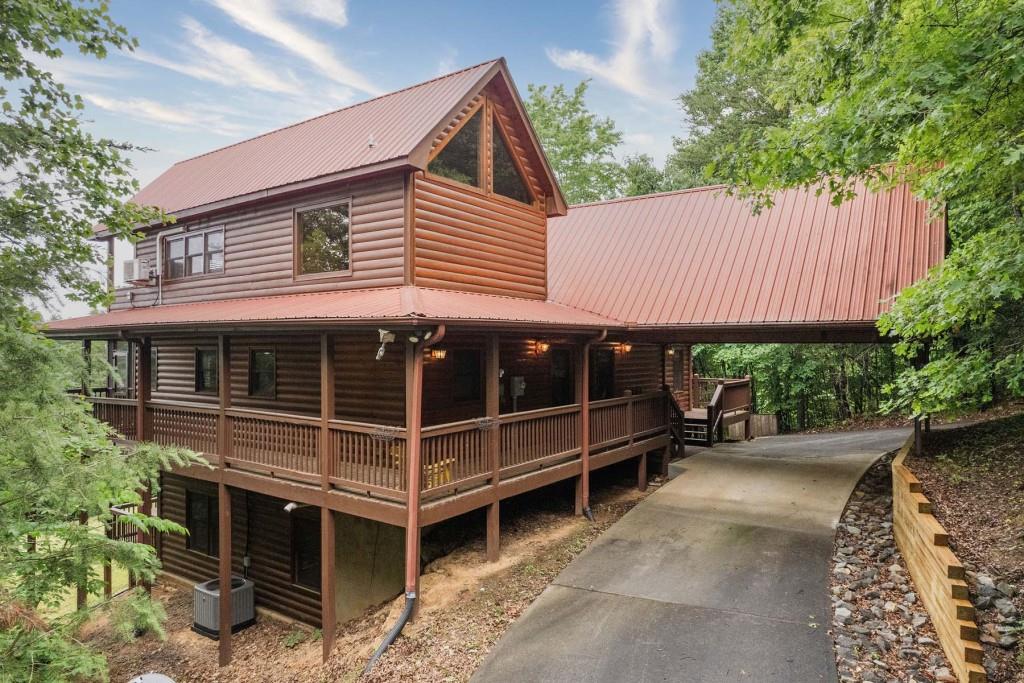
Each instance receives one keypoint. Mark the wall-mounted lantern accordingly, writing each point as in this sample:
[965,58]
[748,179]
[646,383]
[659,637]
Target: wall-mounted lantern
[541,347]
[438,354]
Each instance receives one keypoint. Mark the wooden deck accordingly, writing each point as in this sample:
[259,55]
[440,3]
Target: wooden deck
[366,472]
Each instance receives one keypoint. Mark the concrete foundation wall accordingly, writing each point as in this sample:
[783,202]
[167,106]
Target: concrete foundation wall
[369,565]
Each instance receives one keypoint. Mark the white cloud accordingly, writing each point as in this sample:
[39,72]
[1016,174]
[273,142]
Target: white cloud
[209,57]
[331,11]
[446,64]
[194,117]
[265,18]
[80,72]
[647,42]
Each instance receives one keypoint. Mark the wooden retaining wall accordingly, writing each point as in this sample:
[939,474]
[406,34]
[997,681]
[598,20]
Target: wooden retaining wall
[760,425]
[937,573]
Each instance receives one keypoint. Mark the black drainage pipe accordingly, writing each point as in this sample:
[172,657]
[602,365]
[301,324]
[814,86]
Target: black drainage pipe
[410,603]
[589,514]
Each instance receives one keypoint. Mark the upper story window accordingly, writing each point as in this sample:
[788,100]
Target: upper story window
[507,179]
[322,235]
[195,253]
[459,159]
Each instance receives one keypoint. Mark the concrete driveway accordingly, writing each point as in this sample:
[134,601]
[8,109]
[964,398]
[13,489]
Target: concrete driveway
[720,575]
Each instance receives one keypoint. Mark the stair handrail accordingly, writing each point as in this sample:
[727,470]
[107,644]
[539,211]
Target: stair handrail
[714,409]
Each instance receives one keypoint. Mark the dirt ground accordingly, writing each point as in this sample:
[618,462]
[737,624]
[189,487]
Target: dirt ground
[467,604]
[974,475]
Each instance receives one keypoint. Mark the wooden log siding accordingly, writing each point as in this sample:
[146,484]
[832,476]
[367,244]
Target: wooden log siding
[937,573]
[258,248]
[298,373]
[638,370]
[259,527]
[469,241]
[176,370]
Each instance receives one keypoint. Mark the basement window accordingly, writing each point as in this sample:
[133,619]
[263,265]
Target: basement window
[459,159]
[201,522]
[306,551]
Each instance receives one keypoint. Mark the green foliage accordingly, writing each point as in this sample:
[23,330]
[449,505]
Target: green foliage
[135,615]
[58,179]
[723,106]
[57,463]
[642,176]
[579,145]
[924,91]
[805,385]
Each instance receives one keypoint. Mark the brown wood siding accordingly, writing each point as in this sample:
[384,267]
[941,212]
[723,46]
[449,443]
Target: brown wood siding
[261,528]
[469,241]
[366,390]
[258,252]
[639,370]
[369,390]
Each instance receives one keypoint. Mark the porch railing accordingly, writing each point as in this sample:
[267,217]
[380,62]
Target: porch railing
[276,444]
[119,413]
[372,458]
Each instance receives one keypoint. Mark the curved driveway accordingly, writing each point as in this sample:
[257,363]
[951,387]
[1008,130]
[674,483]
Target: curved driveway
[721,575]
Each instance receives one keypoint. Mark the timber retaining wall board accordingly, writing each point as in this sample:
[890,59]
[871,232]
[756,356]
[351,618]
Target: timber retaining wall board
[937,573]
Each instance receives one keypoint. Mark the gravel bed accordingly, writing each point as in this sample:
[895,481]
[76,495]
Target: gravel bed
[882,632]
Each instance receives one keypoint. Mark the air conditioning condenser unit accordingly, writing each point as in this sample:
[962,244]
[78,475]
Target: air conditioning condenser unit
[206,606]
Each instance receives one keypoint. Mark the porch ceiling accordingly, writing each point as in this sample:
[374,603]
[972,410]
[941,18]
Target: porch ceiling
[387,305]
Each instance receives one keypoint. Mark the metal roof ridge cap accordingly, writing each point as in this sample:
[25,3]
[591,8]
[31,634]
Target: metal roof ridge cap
[650,195]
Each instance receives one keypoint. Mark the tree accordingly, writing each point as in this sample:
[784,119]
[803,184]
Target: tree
[724,104]
[56,461]
[579,145]
[924,92]
[642,176]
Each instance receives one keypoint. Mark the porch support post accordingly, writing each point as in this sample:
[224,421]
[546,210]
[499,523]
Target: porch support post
[413,425]
[81,595]
[328,586]
[224,573]
[87,357]
[492,370]
[143,390]
[584,384]
[224,394]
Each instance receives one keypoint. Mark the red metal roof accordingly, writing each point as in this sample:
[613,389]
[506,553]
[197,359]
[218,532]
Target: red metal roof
[322,146]
[701,257]
[399,304]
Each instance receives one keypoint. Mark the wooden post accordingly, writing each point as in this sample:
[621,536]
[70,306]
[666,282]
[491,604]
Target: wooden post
[224,573]
[224,396]
[87,377]
[492,369]
[82,596]
[328,585]
[917,436]
[641,472]
[143,391]
[584,384]
[413,426]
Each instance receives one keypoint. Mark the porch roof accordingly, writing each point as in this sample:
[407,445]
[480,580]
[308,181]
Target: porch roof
[387,305]
[701,259]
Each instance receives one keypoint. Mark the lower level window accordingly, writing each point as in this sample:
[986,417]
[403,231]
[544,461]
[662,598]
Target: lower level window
[201,522]
[306,551]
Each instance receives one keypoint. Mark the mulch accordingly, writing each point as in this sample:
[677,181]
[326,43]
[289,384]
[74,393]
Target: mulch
[974,476]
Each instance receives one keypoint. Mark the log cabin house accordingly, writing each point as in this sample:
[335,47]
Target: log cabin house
[386,316]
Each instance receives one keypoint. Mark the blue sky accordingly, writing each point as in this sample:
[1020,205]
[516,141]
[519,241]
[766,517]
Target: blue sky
[211,72]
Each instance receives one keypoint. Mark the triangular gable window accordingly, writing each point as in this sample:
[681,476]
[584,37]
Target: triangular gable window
[460,158]
[507,180]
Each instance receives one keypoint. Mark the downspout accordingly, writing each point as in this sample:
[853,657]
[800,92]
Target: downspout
[585,422]
[414,409]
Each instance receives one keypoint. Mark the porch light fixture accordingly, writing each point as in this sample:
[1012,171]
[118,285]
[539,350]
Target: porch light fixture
[671,351]
[540,347]
[625,347]
[438,354]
